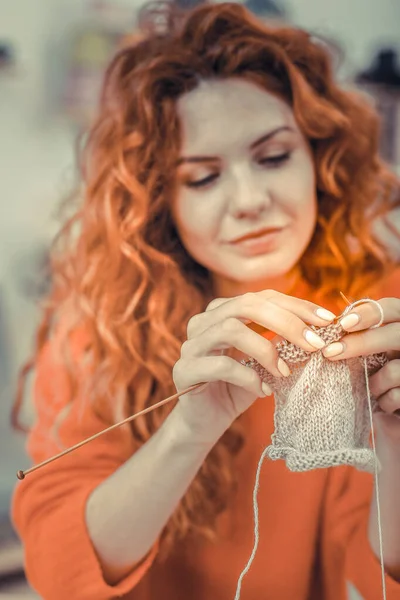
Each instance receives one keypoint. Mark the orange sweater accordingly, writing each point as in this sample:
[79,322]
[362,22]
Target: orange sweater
[313,525]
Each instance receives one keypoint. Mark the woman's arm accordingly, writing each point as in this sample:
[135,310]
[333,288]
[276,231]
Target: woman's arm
[126,513]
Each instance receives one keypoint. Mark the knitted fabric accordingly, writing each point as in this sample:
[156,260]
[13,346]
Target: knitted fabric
[321,410]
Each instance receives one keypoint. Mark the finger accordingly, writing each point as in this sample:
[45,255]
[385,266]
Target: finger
[390,402]
[307,311]
[251,307]
[368,315]
[232,333]
[363,343]
[387,378]
[187,372]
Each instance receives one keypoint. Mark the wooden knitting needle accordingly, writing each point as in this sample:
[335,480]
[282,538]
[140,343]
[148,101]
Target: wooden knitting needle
[22,474]
[345,299]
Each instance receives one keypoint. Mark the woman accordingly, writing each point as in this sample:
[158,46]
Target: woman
[230,188]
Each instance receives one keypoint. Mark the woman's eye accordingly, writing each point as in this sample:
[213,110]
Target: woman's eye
[202,182]
[275,160]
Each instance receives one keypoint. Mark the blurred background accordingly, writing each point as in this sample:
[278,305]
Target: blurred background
[52,56]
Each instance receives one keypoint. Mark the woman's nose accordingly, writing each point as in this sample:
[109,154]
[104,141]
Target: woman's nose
[249,194]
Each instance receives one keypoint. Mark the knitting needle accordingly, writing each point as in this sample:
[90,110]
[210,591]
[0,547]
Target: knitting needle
[345,299]
[22,474]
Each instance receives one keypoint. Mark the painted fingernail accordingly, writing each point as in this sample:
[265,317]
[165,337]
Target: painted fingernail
[283,368]
[324,314]
[333,349]
[314,339]
[266,389]
[349,321]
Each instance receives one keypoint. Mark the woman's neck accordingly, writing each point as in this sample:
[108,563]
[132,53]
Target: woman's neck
[227,288]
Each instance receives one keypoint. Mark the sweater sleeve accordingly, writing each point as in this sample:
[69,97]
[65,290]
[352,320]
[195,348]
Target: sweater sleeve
[48,507]
[345,545]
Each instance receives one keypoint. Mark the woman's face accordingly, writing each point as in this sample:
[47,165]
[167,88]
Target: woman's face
[244,167]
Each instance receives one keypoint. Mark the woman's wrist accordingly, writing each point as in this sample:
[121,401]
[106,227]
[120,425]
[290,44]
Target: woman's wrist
[192,433]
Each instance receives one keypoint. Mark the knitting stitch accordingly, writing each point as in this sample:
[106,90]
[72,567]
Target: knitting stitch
[321,409]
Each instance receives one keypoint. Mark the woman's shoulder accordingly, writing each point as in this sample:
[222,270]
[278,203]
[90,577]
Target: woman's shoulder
[61,354]
[387,286]
[63,405]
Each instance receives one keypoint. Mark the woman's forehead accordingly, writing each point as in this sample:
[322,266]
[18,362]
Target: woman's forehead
[229,113]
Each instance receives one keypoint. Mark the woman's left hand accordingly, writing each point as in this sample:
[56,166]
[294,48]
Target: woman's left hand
[362,341]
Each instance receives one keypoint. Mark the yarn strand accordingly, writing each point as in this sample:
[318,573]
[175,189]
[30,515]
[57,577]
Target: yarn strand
[377,494]
[379,519]
[256,530]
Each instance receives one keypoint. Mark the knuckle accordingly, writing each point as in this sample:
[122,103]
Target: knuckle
[292,321]
[229,325]
[193,325]
[269,351]
[213,304]
[393,371]
[248,296]
[176,370]
[223,364]
[185,348]
[394,394]
[396,327]
[248,299]
[253,378]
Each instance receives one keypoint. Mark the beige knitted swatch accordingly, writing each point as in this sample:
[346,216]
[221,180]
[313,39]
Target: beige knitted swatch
[321,410]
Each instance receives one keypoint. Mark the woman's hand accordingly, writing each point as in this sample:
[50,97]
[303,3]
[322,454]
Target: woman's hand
[362,341]
[221,330]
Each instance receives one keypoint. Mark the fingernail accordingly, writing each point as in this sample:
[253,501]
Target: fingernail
[266,389]
[314,339]
[349,321]
[324,314]
[333,349]
[283,368]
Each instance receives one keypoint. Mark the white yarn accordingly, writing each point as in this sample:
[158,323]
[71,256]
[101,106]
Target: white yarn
[376,476]
[377,495]
[256,533]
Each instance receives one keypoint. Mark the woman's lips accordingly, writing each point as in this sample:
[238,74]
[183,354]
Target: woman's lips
[260,243]
[258,234]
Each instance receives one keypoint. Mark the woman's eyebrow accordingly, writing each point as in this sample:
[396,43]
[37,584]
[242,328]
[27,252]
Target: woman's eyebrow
[269,135]
[196,159]
[253,146]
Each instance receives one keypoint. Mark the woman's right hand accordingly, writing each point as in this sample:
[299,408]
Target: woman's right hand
[230,387]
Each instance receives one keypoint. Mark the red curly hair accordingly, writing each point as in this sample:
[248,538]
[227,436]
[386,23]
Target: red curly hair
[119,269]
